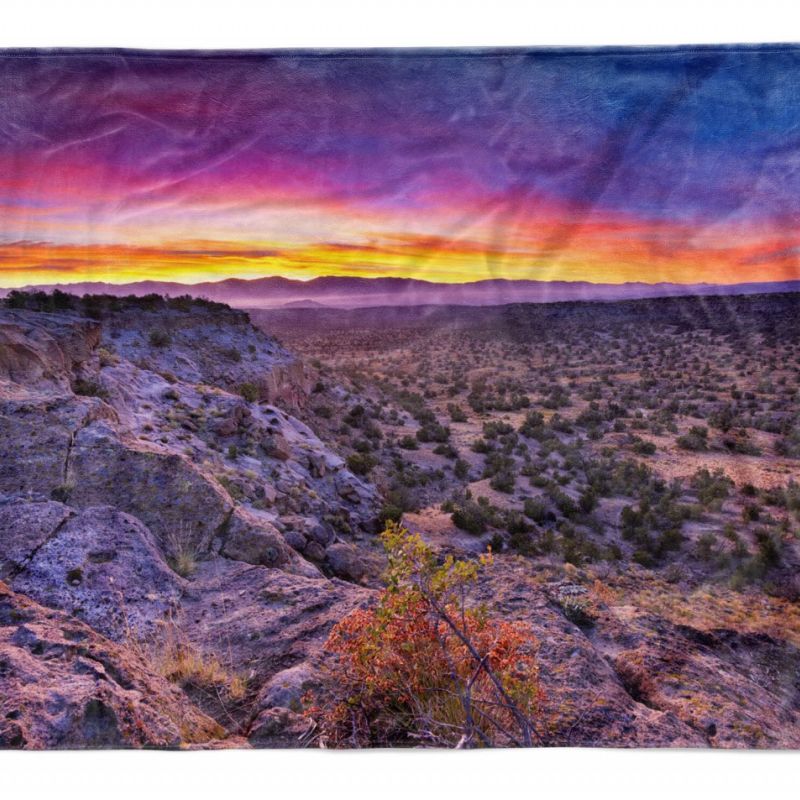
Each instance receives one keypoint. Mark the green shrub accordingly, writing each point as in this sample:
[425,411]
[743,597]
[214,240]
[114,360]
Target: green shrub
[389,513]
[249,391]
[88,388]
[695,440]
[361,463]
[457,414]
[471,517]
[503,482]
[536,509]
[461,469]
[159,338]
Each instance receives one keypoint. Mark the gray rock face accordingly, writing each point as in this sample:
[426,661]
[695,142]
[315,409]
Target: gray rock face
[219,348]
[263,619]
[161,488]
[35,441]
[39,353]
[24,528]
[99,564]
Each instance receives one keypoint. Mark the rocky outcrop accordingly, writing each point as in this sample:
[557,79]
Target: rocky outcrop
[620,676]
[263,619]
[179,456]
[39,353]
[250,538]
[219,348]
[63,685]
[141,494]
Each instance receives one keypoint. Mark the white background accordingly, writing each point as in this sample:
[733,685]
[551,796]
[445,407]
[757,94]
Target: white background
[420,775]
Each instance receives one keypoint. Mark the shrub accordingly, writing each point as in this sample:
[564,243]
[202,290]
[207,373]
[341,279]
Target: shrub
[446,450]
[751,513]
[249,391]
[174,657]
[159,338]
[457,414]
[706,546]
[711,488]
[461,469]
[422,666]
[389,513]
[643,447]
[182,552]
[88,388]
[481,446]
[356,416]
[536,509]
[533,424]
[231,354]
[471,517]
[360,463]
[587,502]
[563,502]
[769,548]
[695,440]
[503,482]
[107,357]
[495,428]
[61,493]
[433,432]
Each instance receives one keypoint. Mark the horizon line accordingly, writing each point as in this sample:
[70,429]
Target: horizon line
[66,284]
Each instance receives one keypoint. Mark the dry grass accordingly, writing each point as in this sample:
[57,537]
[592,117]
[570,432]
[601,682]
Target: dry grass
[173,656]
[187,666]
[710,607]
[183,553]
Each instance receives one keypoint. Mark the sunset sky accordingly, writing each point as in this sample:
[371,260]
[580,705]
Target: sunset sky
[606,167]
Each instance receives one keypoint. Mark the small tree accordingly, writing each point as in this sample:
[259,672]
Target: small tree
[423,666]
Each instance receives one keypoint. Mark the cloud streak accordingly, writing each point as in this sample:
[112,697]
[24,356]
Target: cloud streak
[640,165]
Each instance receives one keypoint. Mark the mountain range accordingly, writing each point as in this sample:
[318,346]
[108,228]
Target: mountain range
[353,292]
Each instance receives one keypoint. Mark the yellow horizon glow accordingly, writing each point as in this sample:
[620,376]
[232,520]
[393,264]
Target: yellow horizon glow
[597,254]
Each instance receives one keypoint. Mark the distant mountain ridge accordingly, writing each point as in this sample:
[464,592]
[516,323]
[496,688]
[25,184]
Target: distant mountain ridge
[354,292]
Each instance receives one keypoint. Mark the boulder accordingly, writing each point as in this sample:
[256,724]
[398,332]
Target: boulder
[230,424]
[315,551]
[163,489]
[319,532]
[269,495]
[295,540]
[275,445]
[344,562]
[287,687]
[255,541]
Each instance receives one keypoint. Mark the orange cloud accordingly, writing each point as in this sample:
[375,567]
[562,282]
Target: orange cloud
[614,252]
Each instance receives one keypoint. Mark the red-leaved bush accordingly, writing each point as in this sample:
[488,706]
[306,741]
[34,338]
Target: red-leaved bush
[423,668]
